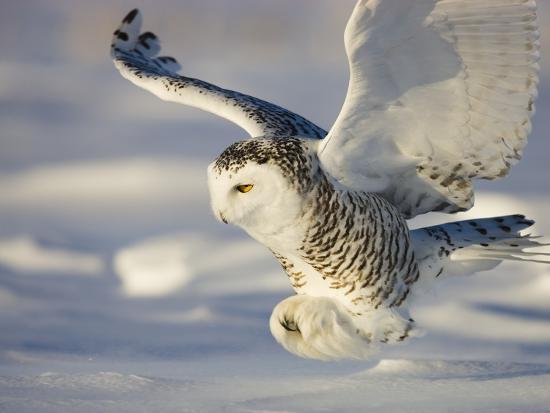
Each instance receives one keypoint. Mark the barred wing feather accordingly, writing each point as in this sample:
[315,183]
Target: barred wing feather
[136,57]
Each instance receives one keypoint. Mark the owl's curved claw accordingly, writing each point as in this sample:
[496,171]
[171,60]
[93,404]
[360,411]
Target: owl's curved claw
[289,325]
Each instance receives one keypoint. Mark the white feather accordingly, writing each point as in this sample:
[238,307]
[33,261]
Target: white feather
[135,56]
[322,328]
[440,92]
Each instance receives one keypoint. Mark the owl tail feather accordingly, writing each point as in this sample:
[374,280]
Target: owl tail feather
[498,239]
[510,249]
[465,247]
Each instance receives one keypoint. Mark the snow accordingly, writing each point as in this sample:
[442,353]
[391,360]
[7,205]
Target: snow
[88,184]
[425,386]
[25,255]
[165,258]
[119,291]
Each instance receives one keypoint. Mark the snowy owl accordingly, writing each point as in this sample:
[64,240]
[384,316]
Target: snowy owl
[441,93]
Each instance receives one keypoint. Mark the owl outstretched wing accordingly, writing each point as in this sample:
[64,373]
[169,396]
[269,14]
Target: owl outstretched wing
[136,56]
[441,92]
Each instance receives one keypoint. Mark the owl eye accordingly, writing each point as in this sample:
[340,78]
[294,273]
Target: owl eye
[244,188]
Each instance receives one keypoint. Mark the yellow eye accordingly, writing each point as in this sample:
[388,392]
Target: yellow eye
[244,188]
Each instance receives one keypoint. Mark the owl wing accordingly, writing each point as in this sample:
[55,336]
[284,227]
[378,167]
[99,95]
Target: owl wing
[136,57]
[440,92]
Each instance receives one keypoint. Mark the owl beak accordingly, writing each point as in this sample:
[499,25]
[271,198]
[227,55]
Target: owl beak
[222,218]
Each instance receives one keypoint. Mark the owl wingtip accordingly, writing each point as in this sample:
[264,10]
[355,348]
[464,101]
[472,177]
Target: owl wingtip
[129,18]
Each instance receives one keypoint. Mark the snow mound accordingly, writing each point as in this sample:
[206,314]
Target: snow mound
[25,255]
[163,265]
[157,266]
[454,369]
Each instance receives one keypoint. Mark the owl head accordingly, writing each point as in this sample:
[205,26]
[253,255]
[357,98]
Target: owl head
[260,184]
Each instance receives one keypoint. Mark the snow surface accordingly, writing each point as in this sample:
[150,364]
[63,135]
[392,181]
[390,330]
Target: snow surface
[119,291]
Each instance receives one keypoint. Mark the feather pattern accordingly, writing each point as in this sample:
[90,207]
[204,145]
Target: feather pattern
[135,56]
[441,92]
[464,247]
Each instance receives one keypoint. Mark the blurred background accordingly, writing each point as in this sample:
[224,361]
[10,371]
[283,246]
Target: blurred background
[108,249]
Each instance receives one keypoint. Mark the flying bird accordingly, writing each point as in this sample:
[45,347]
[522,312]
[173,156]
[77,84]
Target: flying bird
[441,93]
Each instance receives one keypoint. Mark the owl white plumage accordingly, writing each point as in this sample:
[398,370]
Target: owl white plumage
[441,92]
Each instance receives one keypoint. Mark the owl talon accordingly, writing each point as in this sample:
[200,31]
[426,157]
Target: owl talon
[289,325]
